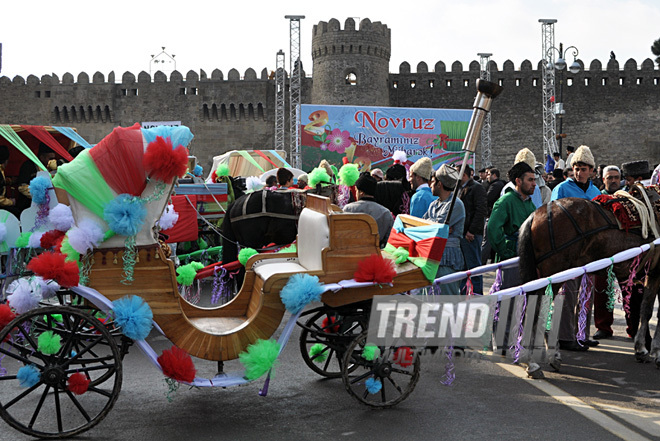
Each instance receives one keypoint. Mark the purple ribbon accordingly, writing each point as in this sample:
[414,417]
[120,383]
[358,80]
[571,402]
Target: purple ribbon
[584,296]
[450,375]
[517,349]
[264,390]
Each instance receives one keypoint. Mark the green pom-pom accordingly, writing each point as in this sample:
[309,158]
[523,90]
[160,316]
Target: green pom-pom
[334,171]
[370,352]
[290,249]
[318,352]
[197,265]
[49,343]
[57,318]
[66,249]
[23,240]
[318,175]
[400,255]
[186,274]
[259,358]
[222,170]
[349,174]
[245,254]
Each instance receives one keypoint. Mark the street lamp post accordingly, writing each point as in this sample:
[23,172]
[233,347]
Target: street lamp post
[560,66]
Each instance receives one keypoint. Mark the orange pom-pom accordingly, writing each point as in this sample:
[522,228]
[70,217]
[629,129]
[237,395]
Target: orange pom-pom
[162,162]
[78,383]
[375,268]
[50,265]
[178,365]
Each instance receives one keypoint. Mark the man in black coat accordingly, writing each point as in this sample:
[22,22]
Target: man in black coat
[473,196]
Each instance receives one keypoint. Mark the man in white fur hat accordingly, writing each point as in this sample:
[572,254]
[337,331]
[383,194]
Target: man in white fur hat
[579,186]
[420,175]
[527,156]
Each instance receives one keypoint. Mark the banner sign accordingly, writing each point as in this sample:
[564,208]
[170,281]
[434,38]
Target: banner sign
[369,136]
[152,124]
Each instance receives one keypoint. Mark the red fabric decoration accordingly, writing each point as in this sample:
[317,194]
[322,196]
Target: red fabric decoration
[164,163]
[214,176]
[50,265]
[51,238]
[186,228]
[344,160]
[177,365]
[42,135]
[397,240]
[619,211]
[375,268]
[78,383]
[403,356]
[119,159]
[326,325]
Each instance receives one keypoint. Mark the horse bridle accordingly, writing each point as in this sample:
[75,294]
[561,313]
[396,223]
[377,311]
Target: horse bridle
[580,234]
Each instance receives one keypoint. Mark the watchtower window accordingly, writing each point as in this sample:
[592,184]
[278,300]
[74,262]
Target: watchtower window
[182,91]
[134,92]
[395,84]
[431,84]
[639,81]
[535,82]
[500,82]
[351,79]
[47,93]
[448,83]
[656,81]
[517,82]
[586,81]
[569,81]
[37,94]
[192,91]
[413,83]
[621,81]
[603,82]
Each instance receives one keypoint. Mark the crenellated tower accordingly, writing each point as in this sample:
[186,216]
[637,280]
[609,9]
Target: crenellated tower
[351,66]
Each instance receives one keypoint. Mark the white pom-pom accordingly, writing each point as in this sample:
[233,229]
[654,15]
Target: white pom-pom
[35,239]
[44,288]
[253,183]
[399,156]
[87,235]
[60,217]
[3,232]
[168,219]
[22,298]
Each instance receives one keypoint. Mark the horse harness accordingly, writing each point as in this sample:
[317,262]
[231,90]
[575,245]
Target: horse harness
[245,215]
[580,234]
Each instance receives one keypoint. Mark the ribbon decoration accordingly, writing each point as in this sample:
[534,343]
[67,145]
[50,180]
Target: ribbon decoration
[260,153]
[73,135]
[250,159]
[10,135]
[584,295]
[42,135]
[278,156]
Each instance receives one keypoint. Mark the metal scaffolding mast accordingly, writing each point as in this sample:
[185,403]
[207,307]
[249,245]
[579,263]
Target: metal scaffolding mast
[295,70]
[548,74]
[279,101]
[484,60]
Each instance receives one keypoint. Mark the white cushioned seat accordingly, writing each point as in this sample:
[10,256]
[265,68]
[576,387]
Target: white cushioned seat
[313,237]
[265,270]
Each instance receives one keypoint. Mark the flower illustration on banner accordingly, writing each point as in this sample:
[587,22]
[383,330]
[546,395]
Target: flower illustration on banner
[338,141]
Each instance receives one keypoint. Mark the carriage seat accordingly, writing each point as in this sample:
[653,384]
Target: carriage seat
[313,237]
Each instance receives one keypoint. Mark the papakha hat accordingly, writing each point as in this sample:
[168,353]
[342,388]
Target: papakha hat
[448,175]
[636,169]
[525,155]
[367,184]
[423,167]
[583,154]
[378,173]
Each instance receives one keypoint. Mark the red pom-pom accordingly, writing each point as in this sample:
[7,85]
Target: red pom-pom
[50,239]
[78,383]
[214,176]
[162,162]
[178,365]
[375,268]
[325,325]
[53,266]
[404,356]
[6,315]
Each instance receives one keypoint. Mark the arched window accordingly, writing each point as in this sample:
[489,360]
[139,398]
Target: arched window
[351,79]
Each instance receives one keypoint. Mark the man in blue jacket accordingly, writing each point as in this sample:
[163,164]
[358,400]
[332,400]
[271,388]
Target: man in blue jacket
[420,175]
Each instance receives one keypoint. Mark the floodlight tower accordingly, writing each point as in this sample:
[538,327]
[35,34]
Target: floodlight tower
[295,70]
[484,60]
[279,101]
[548,75]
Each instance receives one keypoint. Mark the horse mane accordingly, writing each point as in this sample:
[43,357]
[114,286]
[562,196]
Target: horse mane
[527,261]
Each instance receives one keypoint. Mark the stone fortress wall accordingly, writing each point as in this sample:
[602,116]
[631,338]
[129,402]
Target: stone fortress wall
[613,109]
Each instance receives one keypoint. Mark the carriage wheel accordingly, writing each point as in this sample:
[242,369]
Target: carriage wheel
[334,337]
[36,396]
[396,368]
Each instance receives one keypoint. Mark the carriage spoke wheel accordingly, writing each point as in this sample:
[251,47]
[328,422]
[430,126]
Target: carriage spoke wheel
[396,368]
[333,333]
[44,405]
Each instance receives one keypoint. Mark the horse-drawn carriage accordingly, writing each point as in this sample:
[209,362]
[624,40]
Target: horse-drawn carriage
[62,361]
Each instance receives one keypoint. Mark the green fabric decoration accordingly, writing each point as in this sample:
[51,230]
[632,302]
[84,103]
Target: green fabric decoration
[66,249]
[349,174]
[245,254]
[318,352]
[222,170]
[290,249]
[319,175]
[334,172]
[186,274]
[10,135]
[49,343]
[259,358]
[429,267]
[250,159]
[83,180]
[611,294]
[201,243]
[23,240]
[548,293]
[370,352]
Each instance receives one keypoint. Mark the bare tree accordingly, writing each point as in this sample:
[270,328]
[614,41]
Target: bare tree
[656,50]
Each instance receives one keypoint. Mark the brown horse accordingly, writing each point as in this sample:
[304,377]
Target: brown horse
[572,232]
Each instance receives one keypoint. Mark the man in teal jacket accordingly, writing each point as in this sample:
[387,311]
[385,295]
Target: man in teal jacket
[420,175]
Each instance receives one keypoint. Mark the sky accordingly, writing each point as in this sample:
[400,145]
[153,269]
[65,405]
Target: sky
[79,36]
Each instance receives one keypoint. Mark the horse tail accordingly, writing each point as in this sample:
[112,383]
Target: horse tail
[527,259]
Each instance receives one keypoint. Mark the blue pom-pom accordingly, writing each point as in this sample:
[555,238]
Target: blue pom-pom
[300,290]
[125,215]
[39,189]
[28,376]
[198,170]
[134,316]
[373,385]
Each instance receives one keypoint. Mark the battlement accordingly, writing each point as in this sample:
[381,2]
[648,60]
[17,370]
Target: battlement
[366,26]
